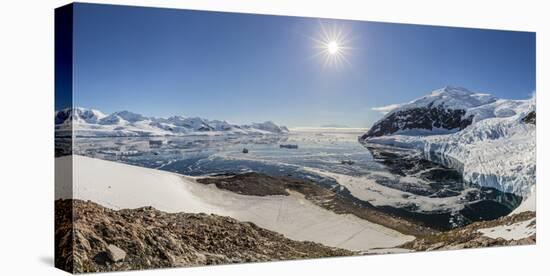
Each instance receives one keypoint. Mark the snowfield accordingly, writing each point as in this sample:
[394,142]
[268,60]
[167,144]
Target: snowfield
[497,150]
[118,186]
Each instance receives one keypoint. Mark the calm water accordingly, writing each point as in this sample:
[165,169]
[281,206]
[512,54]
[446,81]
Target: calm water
[331,150]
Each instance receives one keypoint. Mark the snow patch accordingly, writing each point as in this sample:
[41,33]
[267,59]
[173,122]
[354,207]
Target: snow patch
[516,231]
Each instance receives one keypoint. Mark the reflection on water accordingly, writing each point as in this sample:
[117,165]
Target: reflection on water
[336,151]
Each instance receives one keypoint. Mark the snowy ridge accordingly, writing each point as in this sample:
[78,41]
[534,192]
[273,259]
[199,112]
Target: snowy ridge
[450,97]
[93,123]
[496,150]
[442,111]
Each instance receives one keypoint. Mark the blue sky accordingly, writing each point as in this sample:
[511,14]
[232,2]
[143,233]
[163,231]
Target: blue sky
[244,68]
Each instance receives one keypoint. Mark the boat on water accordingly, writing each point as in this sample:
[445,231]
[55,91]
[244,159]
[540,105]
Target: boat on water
[288,146]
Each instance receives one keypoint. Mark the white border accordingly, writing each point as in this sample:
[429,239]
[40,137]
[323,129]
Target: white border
[26,138]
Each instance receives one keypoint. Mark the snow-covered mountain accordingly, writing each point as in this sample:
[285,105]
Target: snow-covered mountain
[442,111]
[93,123]
[493,139]
[78,115]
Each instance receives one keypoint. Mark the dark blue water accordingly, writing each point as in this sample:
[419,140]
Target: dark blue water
[331,151]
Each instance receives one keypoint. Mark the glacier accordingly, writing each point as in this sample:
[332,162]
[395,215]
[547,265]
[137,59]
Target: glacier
[497,149]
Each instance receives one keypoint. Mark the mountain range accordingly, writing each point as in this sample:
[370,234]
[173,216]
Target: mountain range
[87,122]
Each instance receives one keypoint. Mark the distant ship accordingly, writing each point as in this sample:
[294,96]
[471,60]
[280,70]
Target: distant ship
[288,146]
[155,143]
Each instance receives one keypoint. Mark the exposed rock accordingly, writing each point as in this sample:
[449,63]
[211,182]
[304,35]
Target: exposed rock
[444,110]
[251,184]
[115,254]
[148,238]
[426,118]
[530,118]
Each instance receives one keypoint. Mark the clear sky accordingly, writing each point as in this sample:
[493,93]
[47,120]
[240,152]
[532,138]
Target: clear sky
[247,68]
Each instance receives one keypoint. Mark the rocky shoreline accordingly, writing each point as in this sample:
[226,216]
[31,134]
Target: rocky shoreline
[264,185]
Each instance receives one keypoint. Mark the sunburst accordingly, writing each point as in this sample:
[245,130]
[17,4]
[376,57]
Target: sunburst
[333,45]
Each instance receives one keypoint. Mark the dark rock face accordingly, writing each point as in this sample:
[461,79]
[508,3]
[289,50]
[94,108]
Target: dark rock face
[206,128]
[62,116]
[427,118]
[252,184]
[92,238]
[530,118]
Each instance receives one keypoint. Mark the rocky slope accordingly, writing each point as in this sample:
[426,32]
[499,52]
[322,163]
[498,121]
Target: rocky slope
[474,235]
[107,240]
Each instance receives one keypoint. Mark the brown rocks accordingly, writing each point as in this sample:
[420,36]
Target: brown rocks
[470,237]
[109,240]
[115,254]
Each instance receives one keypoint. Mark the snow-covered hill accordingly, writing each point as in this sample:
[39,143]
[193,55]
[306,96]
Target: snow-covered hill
[93,123]
[493,139]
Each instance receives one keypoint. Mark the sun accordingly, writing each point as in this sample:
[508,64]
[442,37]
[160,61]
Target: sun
[333,45]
